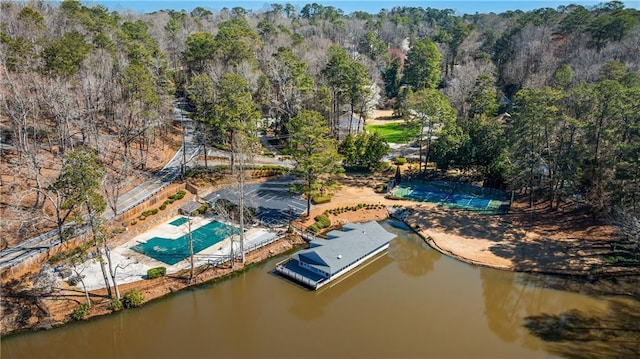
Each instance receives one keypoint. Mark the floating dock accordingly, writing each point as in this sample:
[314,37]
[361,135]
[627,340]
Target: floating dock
[326,260]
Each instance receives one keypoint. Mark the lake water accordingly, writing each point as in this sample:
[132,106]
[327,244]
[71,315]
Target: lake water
[411,303]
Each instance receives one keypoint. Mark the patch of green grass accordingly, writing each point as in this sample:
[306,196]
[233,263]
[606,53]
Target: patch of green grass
[396,132]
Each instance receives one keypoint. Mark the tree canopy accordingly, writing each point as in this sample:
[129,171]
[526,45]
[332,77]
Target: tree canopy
[317,162]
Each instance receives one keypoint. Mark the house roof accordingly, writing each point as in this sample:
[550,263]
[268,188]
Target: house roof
[190,207]
[346,247]
[346,120]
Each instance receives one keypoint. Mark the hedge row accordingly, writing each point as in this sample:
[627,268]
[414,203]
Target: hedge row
[339,210]
[179,195]
[174,197]
[199,171]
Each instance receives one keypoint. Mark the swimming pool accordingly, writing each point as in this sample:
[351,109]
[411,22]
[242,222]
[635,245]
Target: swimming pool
[180,221]
[171,251]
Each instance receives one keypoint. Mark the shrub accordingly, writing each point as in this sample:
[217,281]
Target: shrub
[132,299]
[322,221]
[401,161]
[314,228]
[156,272]
[180,194]
[163,207]
[81,311]
[320,199]
[203,208]
[133,223]
[115,305]
[150,212]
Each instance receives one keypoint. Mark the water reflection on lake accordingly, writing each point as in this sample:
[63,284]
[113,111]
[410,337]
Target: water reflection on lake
[413,302]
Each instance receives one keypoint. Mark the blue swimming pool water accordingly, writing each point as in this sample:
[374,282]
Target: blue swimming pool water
[172,251]
[179,221]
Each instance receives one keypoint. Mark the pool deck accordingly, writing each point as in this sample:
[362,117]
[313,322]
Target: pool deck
[133,266]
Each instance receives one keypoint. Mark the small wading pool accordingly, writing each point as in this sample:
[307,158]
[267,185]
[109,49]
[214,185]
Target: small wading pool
[180,221]
[172,251]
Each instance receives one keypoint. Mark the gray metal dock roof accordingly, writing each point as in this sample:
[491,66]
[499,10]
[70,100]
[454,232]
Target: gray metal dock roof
[357,240]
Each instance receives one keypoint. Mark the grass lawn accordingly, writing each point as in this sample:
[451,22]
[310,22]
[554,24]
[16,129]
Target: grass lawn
[395,132]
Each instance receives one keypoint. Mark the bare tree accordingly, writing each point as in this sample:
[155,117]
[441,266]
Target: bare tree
[78,265]
[532,63]
[21,106]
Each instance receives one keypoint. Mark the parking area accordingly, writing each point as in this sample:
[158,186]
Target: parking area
[275,205]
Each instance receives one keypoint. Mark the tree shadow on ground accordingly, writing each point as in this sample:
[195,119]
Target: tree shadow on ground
[576,246]
[580,257]
[469,224]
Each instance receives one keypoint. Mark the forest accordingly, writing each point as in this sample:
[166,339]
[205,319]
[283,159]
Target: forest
[545,102]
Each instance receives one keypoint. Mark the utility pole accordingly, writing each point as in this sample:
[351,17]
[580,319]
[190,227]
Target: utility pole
[184,145]
[190,248]
[241,185]
[290,215]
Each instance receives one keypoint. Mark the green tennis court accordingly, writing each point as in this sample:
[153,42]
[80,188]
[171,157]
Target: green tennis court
[455,195]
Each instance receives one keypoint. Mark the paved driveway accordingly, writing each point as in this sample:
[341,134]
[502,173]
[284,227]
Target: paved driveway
[275,205]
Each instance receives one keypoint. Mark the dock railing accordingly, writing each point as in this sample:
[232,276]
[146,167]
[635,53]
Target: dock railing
[295,276]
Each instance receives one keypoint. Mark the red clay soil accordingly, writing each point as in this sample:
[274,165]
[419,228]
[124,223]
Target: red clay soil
[20,220]
[565,241]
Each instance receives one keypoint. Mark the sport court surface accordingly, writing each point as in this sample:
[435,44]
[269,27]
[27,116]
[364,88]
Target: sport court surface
[173,250]
[455,195]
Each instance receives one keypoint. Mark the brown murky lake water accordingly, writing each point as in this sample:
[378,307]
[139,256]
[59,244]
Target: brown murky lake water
[411,303]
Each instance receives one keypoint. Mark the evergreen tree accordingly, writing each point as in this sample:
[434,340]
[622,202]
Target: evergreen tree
[422,67]
[317,162]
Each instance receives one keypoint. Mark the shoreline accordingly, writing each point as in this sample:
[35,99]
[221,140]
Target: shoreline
[503,246]
[447,231]
[155,289]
